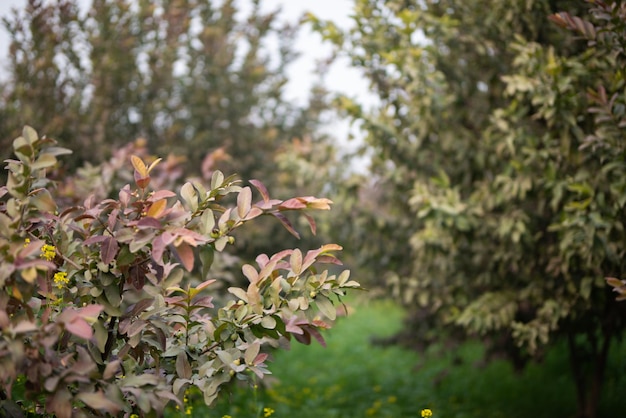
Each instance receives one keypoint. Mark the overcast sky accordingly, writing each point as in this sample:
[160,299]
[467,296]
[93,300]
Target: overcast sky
[341,77]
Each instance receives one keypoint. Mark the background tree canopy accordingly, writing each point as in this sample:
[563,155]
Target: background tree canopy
[498,164]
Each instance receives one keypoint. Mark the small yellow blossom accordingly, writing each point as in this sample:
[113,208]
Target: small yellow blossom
[48,252]
[60,279]
[226,416]
[134,416]
[267,412]
[188,410]
[26,242]
[427,413]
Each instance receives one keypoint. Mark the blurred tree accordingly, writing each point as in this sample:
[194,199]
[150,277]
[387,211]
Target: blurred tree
[495,206]
[198,79]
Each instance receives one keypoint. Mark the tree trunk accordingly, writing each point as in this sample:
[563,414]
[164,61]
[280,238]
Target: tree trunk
[588,364]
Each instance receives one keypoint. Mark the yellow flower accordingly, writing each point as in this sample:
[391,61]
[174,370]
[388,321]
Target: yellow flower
[267,412]
[60,279]
[427,413]
[188,410]
[26,242]
[48,252]
[227,416]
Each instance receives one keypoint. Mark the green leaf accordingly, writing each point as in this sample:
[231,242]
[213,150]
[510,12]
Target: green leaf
[326,307]
[44,161]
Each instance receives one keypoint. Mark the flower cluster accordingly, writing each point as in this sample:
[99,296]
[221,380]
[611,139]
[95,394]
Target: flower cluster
[426,413]
[60,279]
[267,412]
[48,252]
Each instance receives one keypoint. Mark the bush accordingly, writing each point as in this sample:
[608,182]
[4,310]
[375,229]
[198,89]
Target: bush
[105,306]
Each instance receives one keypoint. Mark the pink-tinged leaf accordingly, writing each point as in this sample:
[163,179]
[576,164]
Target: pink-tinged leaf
[292,204]
[260,359]
[99,401]
[124,195]
[161,194]
[183,368]
[280,255]
[33,247]
[309,259]
[262,260]
[141,181]
[158,247]
[253,213]
[316,334]
[24,327]
[111,369]
[250,272]
[252,352]
[312,223]
[204,301]
[184,253]
[60,404]
[136,327]
[205,284]
[267,270]
[286,224]
[262,190]
[238,292]
[95,239]
[91,311]
[329,259]
[254,299]
[295,261]
[167,237]
[148,223]
[292,328]
[140,306]
[80,328]
[188,236]
[244,202]
[108,249]
[304,338]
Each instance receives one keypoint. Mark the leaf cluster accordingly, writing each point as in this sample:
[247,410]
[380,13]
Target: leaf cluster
[106,305]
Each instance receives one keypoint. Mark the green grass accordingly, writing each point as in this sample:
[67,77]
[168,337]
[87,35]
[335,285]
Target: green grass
[352,378]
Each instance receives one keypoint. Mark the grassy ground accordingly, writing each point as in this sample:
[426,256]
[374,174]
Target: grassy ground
[351,378]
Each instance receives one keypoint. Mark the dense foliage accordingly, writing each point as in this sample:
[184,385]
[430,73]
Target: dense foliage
[498,171]
[106,306]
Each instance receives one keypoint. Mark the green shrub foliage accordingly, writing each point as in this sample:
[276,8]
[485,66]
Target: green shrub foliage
[110,306]
[498,164]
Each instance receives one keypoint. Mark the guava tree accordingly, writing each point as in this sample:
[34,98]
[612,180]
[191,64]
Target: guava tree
[498,161]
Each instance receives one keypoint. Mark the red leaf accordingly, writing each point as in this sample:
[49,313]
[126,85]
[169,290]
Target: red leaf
[261,188]
[149,222]
[286,224]
[312,223]
[94,239]
[79,327]
[108,249]
[184,253]
[292,204]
